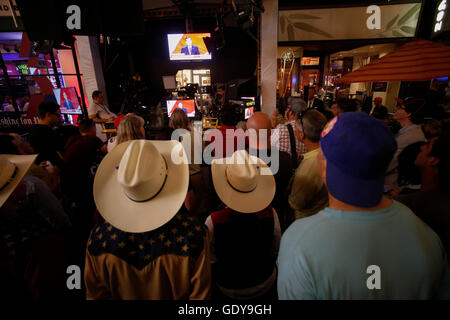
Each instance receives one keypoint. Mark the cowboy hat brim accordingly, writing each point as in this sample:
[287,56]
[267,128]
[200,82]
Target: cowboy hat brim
[23,163]
[244,202]
[131,216]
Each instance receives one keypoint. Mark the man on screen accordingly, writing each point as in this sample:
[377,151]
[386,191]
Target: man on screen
[248,112]
[179,106]
[67,104]
[189,49]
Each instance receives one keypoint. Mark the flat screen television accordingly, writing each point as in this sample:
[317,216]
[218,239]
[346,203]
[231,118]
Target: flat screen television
[12,70]
[23,69]
[187,105]
[188,46]
[249,112]
[67,99]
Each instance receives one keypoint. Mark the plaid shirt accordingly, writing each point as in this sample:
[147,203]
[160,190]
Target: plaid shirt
[281,139]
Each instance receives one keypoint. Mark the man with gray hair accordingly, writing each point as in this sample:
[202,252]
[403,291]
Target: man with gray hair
[283,136]
[309,193]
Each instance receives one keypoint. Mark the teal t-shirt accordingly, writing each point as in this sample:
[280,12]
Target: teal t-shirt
[383,254]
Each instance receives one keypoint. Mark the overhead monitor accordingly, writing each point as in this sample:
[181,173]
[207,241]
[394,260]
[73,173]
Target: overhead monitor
[67,99]
[12,70]
[188,46]
[187,106]
[23,69]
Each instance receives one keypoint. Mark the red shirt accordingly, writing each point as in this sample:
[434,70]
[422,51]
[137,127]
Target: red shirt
[80,155]
[233,137]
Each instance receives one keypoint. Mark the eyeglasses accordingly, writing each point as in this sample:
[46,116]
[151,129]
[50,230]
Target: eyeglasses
[300,117]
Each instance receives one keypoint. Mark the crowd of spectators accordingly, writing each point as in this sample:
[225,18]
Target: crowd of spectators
[303,210]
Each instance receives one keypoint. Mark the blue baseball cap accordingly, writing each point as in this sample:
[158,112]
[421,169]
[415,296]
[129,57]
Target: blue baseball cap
[358,149]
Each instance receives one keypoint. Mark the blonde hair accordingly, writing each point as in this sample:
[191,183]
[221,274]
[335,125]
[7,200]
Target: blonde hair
[130,128]
[179,120]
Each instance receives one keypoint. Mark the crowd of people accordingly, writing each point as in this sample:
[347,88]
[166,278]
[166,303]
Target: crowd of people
[22,104]
[353,209]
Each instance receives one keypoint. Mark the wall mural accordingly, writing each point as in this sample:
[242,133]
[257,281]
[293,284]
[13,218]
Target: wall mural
[389,21]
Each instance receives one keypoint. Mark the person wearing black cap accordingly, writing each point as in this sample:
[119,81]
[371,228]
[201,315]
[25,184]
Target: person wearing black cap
[364,245]
[379,111]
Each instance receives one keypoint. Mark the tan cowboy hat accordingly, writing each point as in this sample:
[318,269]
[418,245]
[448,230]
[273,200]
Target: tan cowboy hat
[140,185]
[12,169]
[243,182]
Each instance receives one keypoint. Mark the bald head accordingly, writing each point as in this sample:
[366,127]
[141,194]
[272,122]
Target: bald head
[260,122]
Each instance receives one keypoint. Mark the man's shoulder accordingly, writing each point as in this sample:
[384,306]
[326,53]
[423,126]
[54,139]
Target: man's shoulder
[282,126]
[82,142]
[90,139]
[225,216]
[283,155]
[72,140]
[182,236]
[280,130]
[410,135]
[40,129]
[221,216]
[93,108]
[285,161]
[302,227]
[403,211]
[308,162]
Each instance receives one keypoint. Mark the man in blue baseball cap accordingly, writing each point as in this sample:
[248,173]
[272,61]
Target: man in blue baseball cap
[364,245]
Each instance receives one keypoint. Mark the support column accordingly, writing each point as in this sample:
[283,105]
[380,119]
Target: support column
[91,66]
[269,51]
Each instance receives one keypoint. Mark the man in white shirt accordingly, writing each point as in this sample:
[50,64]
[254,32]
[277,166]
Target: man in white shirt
[100,113]
[309,193]
[407,116]
[321,92]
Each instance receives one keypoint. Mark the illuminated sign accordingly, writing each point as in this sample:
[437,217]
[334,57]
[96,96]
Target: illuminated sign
[337,64]
[310,61]
[440,15]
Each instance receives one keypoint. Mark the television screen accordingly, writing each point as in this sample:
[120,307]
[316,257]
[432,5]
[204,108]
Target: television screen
[187,105]
[68,100]
[249,112]
[23,69]
[188,46]
[38,71]
[12,70]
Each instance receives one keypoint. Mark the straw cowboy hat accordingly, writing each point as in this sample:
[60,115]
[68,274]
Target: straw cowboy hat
[140,185]
[12,169]
[243,182]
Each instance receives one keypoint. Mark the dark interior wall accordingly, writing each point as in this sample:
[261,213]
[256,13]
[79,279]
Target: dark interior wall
[148,56]
[151,53]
